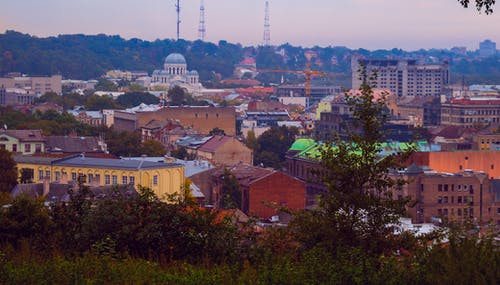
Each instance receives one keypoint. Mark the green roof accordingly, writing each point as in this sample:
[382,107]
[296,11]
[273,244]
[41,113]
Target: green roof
[302,144]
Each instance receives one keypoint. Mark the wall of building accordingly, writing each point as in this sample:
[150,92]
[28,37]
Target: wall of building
[14,145]
[451,197]
[233,152]
[168,181]
[203,119]
[278,189]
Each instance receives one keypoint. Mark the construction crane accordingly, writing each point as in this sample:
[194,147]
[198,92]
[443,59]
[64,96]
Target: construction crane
[307,72]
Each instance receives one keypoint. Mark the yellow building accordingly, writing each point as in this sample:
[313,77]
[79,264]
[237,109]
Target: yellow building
[162,178]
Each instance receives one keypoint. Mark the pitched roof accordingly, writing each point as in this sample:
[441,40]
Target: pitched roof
[25,135]
[246,174]
[214,143]
[73,144]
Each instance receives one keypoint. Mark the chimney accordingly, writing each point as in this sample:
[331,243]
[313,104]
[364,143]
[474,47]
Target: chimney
[46,187]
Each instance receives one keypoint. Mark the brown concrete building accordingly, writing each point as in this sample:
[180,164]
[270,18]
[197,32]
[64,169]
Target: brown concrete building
[448,196]
[37,85]
[203,119]
[225,150]
[261,188]
[486,141]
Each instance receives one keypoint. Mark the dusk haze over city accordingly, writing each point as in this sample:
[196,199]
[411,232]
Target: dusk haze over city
[250,142]
[369,24]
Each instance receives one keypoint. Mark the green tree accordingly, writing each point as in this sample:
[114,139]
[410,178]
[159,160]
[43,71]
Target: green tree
[358,205]
[481,5]
[180,153]
[8,171]
[177,95]
[27,175]
[105,85]
[251,141]
[132,99]
[124,143]
[97,103]
[231,193]
[273,145]
[217,131]
[152,148]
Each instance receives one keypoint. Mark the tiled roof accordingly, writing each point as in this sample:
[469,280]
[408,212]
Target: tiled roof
[25,135]
[72,144]
[246,174]
[214,143]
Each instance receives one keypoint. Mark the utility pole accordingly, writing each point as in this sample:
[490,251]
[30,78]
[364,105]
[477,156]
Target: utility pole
[201,27]
[267,27]
[178,10]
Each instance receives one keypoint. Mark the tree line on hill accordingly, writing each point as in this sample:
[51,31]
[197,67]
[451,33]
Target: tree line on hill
[88,57]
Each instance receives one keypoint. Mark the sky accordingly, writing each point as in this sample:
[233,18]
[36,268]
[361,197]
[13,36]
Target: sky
[369,24]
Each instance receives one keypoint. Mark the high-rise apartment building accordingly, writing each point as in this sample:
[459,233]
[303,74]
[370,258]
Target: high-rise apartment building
[487,48]
[403,77]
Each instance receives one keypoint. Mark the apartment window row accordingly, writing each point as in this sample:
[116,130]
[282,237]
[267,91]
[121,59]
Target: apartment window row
[465,212]
[459,200]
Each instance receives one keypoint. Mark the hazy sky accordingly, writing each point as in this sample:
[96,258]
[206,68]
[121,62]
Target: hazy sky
[370,24]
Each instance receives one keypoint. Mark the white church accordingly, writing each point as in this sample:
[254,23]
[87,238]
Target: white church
[175,73]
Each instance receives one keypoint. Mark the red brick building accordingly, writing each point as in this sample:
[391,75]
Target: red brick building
[261,188]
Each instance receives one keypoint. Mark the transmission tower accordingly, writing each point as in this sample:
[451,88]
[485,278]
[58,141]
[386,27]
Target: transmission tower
[178,10]
[201,27]
[267,27]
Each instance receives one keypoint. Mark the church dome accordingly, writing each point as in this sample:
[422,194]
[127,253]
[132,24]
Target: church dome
[175,58]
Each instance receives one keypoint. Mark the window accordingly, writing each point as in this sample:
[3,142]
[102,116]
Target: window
[440,212]
[14,148]
[459,212]
[459,199]
[73,176]
[440,199]
[155,180]
[27,147]
[131,180]
[471,189]
[97,178]
[115,179]
[440,187]
[40,174]
[107,180]
[47,174]
[57,175]
[445,189]
[421,187]
[459,187]
[38,147]
[124,179]
[445,199]
[445,212]
[91,177]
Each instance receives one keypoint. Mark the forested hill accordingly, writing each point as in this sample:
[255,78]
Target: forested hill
[90,56]
[85,57]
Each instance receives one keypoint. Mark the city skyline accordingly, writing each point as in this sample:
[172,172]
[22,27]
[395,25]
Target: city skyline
[351,23]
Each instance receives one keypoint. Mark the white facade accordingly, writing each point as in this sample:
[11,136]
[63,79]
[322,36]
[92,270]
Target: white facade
[403,77]
[175,72]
